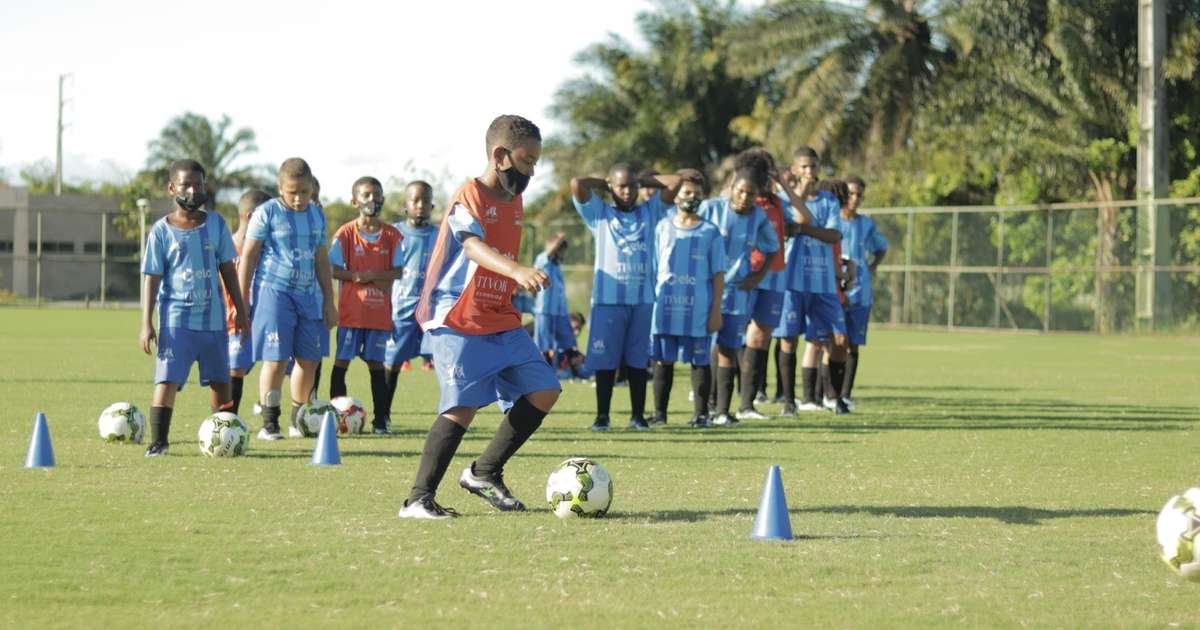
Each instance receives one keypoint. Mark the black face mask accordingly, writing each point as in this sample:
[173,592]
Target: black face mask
[512,180]
[372,209]
[690,206]
[193,202]
[419,221]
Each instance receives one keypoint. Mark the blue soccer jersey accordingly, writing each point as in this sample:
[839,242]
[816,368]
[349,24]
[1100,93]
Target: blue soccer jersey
[624,271]
[551,301]
[290,242]
[742,233]
[415,248]
[190,295]
[810,266]
[687,260]
[861,240]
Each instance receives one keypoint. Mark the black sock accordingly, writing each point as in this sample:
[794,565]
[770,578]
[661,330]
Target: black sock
[809,375]
[712,364]
[779,370]
[851,372]
[701,384]
[518,424]
[637,391]
[754,362]
[664,379]
[380,398]
[393,378]
[737,370]
[822,382]
[604,389]
[337,381]
[837,375]
[270,416]
[235,392]
[761,386]
[440,446]
[160,424]
[787,376]
[316,381]
[724,389]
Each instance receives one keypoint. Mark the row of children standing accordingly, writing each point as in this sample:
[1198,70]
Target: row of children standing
[680,278]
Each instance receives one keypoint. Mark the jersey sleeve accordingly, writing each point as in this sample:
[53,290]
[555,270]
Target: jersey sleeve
[259,226]
[592,210]
[398,253]
[876,242]
[765,239]
[716,254]
[336,257]
[463,223]
[658,209]
[833,216]
[155,261]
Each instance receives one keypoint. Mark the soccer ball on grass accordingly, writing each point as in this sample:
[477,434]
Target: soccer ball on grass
[579,488]
[351,416]
[122,422]
[1178,524]
[307,422]
[223,434]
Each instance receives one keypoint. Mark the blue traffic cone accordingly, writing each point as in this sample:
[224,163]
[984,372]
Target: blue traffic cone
[326,453]
[41,453]
[772,522]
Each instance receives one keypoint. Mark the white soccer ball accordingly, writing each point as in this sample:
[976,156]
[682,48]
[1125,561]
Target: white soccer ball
[351,416]
[1178,524]
[581,488]
[307,422]
[122,422]
[223,434]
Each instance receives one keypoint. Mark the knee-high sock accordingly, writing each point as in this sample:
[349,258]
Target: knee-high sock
[823,382]
[160,424]
[393,379]
[440,446]
[316,381]
[604,389]
[837,376]
[337,381]
[787,376]
[380,399]
[779,370]
[637,391]
[851,372]
[754,362]
[236,384]
[701,384]
[724,389]
[519,423]
[737,368]
[809,375]
[664,379]
[712,363]
[760,386]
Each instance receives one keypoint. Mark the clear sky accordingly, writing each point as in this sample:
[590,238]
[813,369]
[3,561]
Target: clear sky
[355,87]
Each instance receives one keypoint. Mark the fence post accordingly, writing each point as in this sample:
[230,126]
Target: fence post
[1049,260]
[103,258]
[37,276]
[999,273]
[908,245]
[953,279]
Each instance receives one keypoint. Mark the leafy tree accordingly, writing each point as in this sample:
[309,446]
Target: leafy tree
[216,145]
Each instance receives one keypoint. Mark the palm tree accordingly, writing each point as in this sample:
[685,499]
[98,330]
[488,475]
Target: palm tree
[847,77]
[214,144]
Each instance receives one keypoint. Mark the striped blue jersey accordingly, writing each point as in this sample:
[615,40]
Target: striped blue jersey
[290,242]
[810,266]
[777,280]
[190,295]
[552,301]
[861,240]
[742,233]
[687,260]
[624,271]
[415,248]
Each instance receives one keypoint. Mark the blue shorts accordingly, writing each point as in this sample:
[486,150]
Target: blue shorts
[857,318]
[407,341]
[427,347]
[823,315]
[477,370]
[553,332]
[287,326]
[733,331]
[620,334]
[241,355]
[791,320]
[681,349]
[766,307]
[179,348]
[369,344]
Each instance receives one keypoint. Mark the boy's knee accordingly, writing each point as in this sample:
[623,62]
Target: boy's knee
[544,399]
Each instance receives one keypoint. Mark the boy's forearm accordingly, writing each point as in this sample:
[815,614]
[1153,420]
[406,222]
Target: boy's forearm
[246,266]
[582,187]
[718,288]
[479,253]
[149,297]
[229,276]
[341,273]
[822,234]
[324,273]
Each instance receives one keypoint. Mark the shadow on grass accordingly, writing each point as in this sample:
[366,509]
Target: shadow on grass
[1043,406]
[1010,514]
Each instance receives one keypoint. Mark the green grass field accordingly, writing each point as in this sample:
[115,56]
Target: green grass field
[989,480]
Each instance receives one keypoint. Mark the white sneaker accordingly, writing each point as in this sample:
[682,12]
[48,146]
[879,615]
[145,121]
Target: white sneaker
[692,396]
[425,508]
[850,403]
[257,409]
[809,407]
[293,432]
[750,414]
[829,403]
[724,420]
[263,434]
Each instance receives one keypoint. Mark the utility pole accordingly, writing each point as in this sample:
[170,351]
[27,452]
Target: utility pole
[1153,220]
[58,151]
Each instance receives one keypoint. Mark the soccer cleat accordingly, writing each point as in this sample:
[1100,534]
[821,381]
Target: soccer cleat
[699,422]
[157,449]
[270,433]
[293,432]
[724,420]
[761,398]
[637,423]
[840,407]
[490,489]
[778,400]
[600,424]
[750,414]
[788,411]
[850,404]
[829,403]
[809,406]
[380,431]
[659,419]
[425,508]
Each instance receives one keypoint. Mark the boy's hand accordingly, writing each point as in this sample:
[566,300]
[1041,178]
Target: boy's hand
[714,322]
[330,314]
[750,282]
[240,323]
[531,279]
[784,178]
[147,338]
